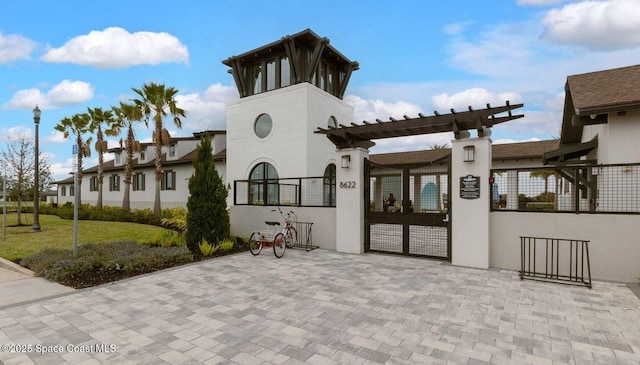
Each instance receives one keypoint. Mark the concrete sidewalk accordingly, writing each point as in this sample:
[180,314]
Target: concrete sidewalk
[20,285]
[324,307]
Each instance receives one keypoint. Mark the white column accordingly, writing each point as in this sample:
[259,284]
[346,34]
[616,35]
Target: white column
[350,200]
[470,217]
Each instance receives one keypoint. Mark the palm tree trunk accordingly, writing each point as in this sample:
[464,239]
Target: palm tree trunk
[158,163]
[156,204]
[99,202]
[126,204]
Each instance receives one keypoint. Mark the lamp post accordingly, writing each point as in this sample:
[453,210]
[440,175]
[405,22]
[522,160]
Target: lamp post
[36,189]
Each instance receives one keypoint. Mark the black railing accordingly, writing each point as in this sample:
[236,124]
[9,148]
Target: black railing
[577,189]
[300,192]
[555,259]
[304,239]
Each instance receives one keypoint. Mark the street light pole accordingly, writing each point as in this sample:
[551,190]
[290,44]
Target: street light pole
[36,189]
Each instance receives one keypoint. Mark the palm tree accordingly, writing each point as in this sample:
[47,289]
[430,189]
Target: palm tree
[156,102]
[436,146]
[99,118]
[126,116]
[543,174]
[77,125]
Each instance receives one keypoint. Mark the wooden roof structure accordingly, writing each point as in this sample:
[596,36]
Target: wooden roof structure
[534,150]
[310,58]
[361,135]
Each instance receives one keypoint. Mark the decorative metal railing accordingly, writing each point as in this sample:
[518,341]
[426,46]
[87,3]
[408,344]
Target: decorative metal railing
[579,189]
[301,192]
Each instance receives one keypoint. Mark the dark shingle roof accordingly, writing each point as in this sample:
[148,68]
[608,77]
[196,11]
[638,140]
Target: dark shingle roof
[499,152]
[605,91]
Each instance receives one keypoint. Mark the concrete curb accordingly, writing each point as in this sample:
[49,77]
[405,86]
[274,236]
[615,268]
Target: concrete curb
[6,264]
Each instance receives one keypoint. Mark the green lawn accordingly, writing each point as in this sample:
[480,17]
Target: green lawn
[58,233]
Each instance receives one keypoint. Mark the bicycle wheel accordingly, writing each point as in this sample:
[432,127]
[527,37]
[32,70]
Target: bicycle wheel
[255,245]
[279,245]
[291,238]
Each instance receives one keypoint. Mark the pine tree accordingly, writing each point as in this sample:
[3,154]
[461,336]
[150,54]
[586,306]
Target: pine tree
[207,216]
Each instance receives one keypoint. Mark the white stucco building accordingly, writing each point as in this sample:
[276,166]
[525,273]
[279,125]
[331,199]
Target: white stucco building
[272,155]
[177,162]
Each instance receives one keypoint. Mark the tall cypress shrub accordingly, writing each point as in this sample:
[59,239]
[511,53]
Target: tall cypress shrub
[207,216]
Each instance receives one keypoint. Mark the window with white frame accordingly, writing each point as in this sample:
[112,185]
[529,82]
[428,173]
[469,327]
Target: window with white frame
[172,150]
[63,191]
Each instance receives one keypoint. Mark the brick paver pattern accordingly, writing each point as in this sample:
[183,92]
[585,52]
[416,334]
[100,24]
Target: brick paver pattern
[323,307]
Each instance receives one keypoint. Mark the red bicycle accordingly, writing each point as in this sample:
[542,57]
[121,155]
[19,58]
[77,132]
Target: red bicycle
[280,241]
[290,233]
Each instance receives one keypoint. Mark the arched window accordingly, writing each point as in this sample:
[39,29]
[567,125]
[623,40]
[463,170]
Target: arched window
[329,186]
[332,122]
[263,185]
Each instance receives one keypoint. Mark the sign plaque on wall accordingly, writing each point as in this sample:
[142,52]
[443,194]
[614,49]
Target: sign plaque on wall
[470,187]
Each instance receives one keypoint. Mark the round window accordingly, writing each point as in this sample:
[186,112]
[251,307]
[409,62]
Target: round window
[263,125]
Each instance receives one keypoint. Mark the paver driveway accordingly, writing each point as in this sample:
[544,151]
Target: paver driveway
[323,307]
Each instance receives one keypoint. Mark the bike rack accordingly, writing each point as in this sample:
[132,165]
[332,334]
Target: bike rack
[304,235]
[537,253]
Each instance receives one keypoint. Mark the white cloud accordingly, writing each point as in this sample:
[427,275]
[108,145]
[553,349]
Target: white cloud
[454,29]
[15,47]
[412,143]
[541,123]
[370,110]
[117,48]
[474,97]
[500,52]
[556,103]
[65,93]
[14,132]
[597,25]
[207,110]
[56,137]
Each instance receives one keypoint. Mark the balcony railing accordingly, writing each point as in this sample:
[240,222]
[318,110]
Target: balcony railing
[301,192]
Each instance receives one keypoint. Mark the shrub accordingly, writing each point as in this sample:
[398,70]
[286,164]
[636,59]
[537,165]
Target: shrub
[108,213]
[207,216]
[206,248]
[100,263]
[226,245]
[177,221]
[168,238]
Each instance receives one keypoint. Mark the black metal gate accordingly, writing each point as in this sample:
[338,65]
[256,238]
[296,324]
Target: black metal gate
[408,209]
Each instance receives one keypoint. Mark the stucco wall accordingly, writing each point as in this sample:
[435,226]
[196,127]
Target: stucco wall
[291,147]
[246,219]
[142,199]
[617,139]
[614,247]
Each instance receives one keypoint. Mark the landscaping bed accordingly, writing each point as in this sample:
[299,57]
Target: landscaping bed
[106,262]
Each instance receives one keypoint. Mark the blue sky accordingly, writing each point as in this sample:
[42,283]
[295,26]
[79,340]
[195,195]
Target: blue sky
[415,56]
